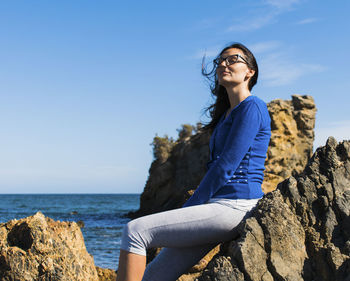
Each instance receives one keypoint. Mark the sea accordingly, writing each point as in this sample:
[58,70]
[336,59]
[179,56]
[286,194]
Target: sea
[103,216]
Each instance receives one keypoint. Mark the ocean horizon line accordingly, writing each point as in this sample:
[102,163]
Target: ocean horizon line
[72,193]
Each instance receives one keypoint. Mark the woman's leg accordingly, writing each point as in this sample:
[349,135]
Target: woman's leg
[171,263]
[179,229]
[131,266]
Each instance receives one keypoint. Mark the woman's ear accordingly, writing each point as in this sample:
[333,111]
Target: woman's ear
[249,73]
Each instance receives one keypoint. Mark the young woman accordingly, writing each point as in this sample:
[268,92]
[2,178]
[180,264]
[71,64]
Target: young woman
[231,187]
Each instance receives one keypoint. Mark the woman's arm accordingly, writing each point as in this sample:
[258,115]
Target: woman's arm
[245,126]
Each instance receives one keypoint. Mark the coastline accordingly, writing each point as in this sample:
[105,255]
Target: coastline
[103,216]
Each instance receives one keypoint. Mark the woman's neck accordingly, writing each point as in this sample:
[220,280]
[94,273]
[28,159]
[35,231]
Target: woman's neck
[237,95]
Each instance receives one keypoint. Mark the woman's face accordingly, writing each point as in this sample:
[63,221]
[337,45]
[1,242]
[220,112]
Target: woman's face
[236,73]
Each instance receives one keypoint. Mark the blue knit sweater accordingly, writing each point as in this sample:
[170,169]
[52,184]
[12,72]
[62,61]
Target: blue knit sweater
[238,149]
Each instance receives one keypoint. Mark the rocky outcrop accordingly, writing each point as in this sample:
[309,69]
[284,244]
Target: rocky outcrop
[300,231]
[179,166]
[171,180]
[38,248]
[292,136]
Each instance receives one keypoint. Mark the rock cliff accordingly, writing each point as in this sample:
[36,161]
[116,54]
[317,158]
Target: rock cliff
[300,231]
[179,166]
[38,248]
[292,136]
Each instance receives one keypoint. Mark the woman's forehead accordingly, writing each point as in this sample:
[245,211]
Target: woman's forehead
[232,51]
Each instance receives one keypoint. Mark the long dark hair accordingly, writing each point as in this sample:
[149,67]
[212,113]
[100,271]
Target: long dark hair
[222,102]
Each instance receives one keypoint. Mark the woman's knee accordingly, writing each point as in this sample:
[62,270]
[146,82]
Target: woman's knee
[132,228]
[132,240]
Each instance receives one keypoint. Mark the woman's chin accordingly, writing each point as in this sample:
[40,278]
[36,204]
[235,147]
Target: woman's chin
[225,83]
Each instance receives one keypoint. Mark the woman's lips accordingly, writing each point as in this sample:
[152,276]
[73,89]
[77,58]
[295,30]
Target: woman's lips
[224,73]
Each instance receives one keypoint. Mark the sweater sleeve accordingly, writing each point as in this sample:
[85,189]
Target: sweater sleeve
[245,127]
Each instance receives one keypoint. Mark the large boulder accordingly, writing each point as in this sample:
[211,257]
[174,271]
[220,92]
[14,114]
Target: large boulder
[38,248]
[180,165]
[300,231]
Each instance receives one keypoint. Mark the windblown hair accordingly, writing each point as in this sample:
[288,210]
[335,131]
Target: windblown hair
[219,93]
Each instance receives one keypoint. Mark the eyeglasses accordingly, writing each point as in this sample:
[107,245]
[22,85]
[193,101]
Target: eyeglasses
[229,60]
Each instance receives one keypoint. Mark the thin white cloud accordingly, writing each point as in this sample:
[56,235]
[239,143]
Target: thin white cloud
[264,13]
[307,21]
[282,4]
[263,47]
[252,24]
[278,69]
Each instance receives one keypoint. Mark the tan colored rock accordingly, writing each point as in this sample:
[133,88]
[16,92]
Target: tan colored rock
[202,264]
[292,136]
[105,274]
[38,248]
[189,277]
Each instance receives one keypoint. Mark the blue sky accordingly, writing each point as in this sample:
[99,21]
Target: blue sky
[86,85]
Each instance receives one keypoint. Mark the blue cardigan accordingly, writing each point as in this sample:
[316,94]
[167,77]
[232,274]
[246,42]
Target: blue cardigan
[238,148]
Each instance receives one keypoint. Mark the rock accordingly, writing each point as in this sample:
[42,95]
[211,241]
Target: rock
[179,166]
[300,231]
[81,224]
[222,269]
[189,277]
[39,248]
[172,180]
[105,274]
[202,264]
[292,136]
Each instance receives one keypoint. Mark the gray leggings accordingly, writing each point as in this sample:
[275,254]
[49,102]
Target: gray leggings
[187,233]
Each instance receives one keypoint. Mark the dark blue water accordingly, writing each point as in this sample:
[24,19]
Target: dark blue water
[102,215]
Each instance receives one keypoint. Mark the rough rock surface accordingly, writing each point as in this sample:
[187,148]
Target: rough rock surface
[41,249]
[300,231]
[292,136]
[105,274]
[178,168]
